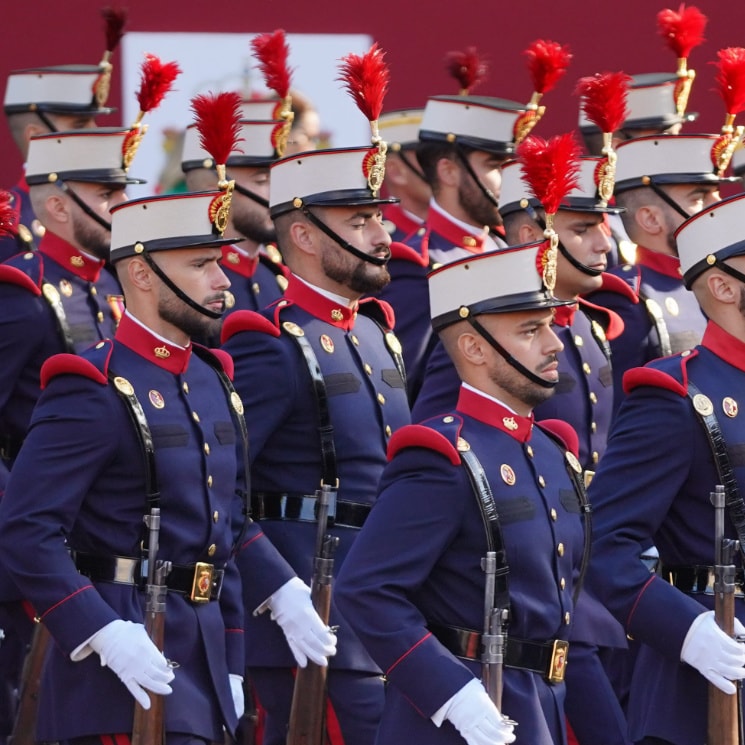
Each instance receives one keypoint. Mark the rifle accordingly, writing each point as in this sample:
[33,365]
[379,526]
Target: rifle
[24,724]
[494,638]
[724,713]
[309,694]
[148,726]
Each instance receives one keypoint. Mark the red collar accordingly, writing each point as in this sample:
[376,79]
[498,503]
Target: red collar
[662,263]
[564,314]
[71,258]
[341,316]
[238,262]
[439,223]
[495,415]
[724,345]
[401,219]
[147,345]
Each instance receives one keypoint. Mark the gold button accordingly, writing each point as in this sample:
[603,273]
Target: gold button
[195,416]
[567,618]
[594,427]
[595,456]
[206,448]
[388,430]
[541,481]
[185,386]
[99,316]
[560,549]
[578,340]
[211,550]
[255,288]
[554,515]
[215,516]
[448,419]
[381,398]
[593,398]
[209,483]
[586,368]
[368,369]
[94,291]
[529,451]
[562,583]
[355,340]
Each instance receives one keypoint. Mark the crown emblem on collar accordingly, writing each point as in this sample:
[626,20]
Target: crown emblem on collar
[510,423]
[162,352]
[77,261]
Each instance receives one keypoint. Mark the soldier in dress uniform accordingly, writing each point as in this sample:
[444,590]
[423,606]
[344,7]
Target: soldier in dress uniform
[661,181]
[71,522]
[328,362]
[681,411]
[412,587]
[253,265]
[404,178]
[463,142]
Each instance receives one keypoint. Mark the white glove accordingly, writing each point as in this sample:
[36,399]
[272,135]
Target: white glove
[476,717]
[126,648]
[236,688]
[309,638]
[715,655]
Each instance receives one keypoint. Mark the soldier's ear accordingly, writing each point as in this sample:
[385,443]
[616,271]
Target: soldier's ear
[302,237]
[448,172]
[139,274]
[723,288]
[650,218]
[471,347]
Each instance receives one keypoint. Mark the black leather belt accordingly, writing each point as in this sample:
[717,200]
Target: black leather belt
[9,447]
[699,579]
[547,658]
[304,508]
[200,582]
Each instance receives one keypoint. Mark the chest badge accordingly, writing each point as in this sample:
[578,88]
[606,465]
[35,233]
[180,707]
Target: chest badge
[116,303]
[703,404]
[507,474]
[156,399]
[65,287]
[672,306]
[729,405]
[327,343]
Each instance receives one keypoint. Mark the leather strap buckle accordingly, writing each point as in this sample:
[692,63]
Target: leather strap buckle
[201,589]
[558,665]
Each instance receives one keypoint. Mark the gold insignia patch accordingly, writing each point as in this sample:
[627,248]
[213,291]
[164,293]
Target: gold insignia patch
[293,328]
[123,385]
[235,400]
[327,343]
[462,445]
[393,343]
[162,352]
[77,261]
[233,258]
[50,293]
[573,462]
[510,423]
[156,399]
[65,287]
[730,407]
[337,315]
[507,474]
[703,404]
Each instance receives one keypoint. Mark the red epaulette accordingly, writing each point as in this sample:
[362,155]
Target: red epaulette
[419,436]
[562,431]
[613,326]
[222,359]
[246,320]
[405,253]
[14,276]
[382,311]
[641,376]
[613,283]
[72,364]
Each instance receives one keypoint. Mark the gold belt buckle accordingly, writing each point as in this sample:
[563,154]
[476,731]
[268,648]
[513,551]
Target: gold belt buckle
[201,588]
[558,666]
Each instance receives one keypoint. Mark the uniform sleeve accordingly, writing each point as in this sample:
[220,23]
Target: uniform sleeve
[648,459]
[71,441]
[231,605]
[410,527]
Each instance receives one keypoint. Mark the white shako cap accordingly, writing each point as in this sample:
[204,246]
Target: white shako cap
[479,122]
[508,280]
[323,178]
[92,155]
[171,221]
[256,147]
[714,234]
[400,128]
[260,109]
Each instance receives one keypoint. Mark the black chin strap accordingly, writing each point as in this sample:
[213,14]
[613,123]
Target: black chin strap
[83,206]
[668,200]
[344,244]
[251,195]
[405,160]
[44,118]
[588,270]
[727,269]
[508,357]
[180,294]
[469,168]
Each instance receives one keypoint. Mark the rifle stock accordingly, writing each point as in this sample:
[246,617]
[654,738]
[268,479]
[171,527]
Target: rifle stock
[24,724]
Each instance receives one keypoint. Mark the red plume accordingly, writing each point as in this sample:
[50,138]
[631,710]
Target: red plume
[273,52]
[155,82]
[730,78]
[604,99]
[550,168]
[218,119]
[682,30]
[8,216]
[468,67]
[114,22]
[547,63]
[366,80]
